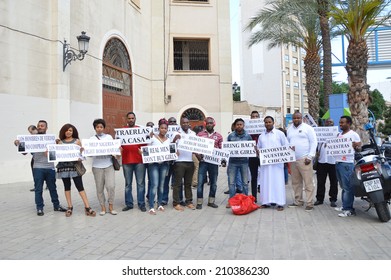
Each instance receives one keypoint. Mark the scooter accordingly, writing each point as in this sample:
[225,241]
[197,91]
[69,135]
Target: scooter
[372,177]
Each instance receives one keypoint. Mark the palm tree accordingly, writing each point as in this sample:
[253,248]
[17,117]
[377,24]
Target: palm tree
[293,22]
[356,18]
[323,10]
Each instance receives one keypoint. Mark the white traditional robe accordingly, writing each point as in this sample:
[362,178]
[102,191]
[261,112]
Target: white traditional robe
[272,180]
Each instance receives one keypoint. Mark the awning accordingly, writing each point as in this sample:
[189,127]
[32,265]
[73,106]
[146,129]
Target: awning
[346,112]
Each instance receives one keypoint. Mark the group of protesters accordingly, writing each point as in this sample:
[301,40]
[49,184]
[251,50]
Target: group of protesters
[190,169]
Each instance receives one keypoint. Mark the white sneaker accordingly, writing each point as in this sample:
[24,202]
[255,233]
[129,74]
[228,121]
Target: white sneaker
[152,211]
[347,213]
[160,208]
[339,209]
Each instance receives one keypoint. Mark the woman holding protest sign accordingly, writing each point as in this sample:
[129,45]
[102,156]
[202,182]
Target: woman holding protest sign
[103,170]
[67,170]
[158,170]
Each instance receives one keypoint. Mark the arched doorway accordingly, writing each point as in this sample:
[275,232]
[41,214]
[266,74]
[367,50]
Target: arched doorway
[116,84]
[196,118]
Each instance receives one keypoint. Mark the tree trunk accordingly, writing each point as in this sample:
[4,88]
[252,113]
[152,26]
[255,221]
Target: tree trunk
[358,97]
[312,73]
[323,9]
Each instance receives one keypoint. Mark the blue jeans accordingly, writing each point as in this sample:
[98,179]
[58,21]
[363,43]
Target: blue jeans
[139,171]
[233,170]
[40,176]
[344,171]
[157,173]
[213,171]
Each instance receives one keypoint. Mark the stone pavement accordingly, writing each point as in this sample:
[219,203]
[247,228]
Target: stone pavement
[214,234]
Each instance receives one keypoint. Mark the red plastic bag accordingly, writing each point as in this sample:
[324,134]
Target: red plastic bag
[242,204]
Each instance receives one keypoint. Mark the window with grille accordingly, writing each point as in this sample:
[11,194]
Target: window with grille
[191,54]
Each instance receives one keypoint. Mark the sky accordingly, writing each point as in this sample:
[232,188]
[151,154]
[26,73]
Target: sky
[377,78]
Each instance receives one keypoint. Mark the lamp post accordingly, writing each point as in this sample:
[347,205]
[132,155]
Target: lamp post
[69,55]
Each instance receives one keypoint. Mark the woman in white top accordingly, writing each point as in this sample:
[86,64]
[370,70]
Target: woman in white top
[158,170]
[103,170]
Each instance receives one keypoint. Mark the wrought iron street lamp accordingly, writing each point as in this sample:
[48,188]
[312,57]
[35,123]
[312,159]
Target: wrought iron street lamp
[69,55]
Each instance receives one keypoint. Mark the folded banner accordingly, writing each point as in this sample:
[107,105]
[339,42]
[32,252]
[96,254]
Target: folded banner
[339,147]
[196,144]
[326,132]
[254,126]
[35,143]
[63,152]
[276,155]
[218,157]
[162,153]
[101,147]
[240,148]
[134,135]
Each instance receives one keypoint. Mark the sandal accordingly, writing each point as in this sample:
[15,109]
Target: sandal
[68,213]
[90,212]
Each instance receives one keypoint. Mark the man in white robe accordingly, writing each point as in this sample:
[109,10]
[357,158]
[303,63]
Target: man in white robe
[272,178]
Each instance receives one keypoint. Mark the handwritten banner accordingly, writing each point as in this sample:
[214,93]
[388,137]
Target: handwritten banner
[63,152]
[161,153]
[254,126]
[35,143]
[276,155]
[218,157]
[101,147]
[171,130]
[339,147]
[325,132]
[134,135]
[240,148]
[196,144]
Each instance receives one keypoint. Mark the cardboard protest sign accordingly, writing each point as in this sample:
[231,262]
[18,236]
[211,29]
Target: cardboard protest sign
[254,126]
[339,146]
[159,153]
[196,144]
[308,119]
[240,148]
[134,135]
[276,155]
[63,152]
[35,143]
[218,157]
[96,147]
[325,132]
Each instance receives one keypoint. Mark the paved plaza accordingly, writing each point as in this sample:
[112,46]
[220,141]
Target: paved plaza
[207,234]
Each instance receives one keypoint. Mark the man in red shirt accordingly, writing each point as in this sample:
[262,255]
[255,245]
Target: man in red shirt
[132,162]
[212,169]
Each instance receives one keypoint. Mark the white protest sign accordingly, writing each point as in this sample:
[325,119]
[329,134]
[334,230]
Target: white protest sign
[96,147]
[325,132]
[35,143]
[63,152]
[196,144]
[133,135]
[308,119]
[339,146]
[218,157]
[276,155]
[159,153]
[240,148]
[171,130]
[254,126]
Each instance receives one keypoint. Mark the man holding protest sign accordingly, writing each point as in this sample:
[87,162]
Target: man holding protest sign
[238,164]
[272,175]
[43,170]
[345,167]
[326,167]
[253,162]
[303,138]
[212,169]
[132,162]
[183,170]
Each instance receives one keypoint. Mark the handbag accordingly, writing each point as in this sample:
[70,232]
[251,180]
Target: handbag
[116,164]
[80,169]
